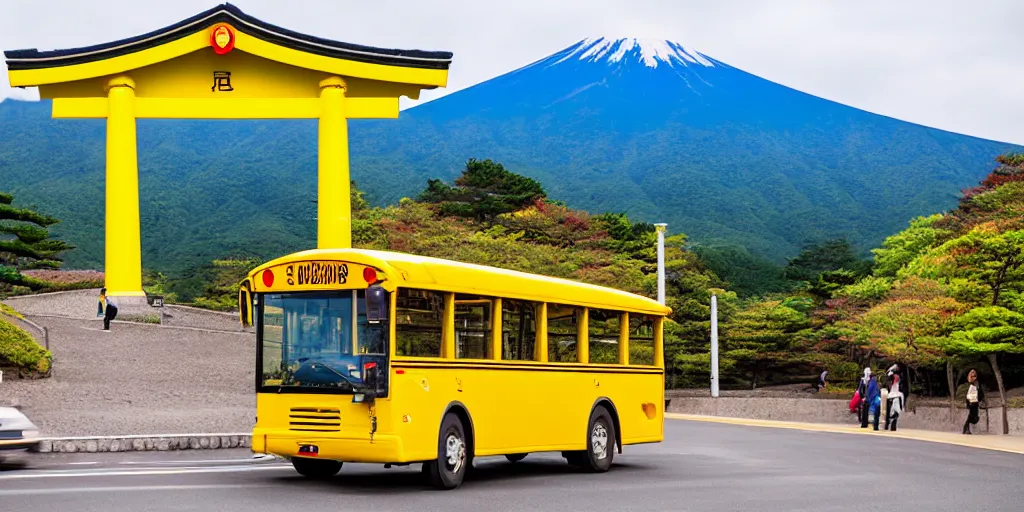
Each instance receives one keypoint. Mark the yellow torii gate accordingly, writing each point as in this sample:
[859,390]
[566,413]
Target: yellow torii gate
[223,64]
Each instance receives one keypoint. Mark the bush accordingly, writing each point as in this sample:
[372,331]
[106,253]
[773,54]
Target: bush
[18,349]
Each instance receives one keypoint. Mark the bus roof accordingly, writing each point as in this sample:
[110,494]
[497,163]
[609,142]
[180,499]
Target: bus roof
[409,270]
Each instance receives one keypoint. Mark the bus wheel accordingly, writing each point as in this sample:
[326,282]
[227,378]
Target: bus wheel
[316,468]
[516,457]
[600,442]
[448,471]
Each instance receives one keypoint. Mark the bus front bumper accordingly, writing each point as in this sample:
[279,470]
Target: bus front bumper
[382,448]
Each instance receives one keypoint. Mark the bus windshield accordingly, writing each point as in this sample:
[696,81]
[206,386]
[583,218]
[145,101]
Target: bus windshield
[316,341]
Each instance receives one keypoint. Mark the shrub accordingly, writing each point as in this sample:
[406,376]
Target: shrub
[18,349]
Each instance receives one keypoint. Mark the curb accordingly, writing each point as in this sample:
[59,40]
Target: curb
[141,443]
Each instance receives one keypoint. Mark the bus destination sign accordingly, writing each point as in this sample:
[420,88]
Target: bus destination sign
[317,273]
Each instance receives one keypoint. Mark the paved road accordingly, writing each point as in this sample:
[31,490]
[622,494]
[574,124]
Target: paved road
[701,466]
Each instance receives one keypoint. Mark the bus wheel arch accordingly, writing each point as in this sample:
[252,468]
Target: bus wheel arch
[614,413]
[454,449]
[459,409]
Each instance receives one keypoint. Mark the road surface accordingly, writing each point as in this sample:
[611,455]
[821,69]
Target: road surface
[700,466]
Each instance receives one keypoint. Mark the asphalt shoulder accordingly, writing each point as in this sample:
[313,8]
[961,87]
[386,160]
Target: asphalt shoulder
[1011,444]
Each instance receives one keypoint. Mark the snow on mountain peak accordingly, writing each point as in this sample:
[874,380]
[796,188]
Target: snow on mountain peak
[651,52]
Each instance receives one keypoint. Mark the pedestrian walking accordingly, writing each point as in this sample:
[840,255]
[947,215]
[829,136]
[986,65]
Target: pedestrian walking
[975,395]
[822,382]
[99,305]
[871,399]
[110,314]
[894,401]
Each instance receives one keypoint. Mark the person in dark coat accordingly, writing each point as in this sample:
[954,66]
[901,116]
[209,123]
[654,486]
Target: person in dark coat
[975,396]
[110,313]
[871,399]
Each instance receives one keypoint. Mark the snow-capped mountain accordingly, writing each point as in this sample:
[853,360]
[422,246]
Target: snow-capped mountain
[652,52]
[668,132]
[654,128]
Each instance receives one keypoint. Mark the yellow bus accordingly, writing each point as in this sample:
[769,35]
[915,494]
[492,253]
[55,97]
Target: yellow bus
[386,357]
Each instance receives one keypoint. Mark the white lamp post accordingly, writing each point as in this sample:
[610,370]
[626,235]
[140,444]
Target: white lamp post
[660,228]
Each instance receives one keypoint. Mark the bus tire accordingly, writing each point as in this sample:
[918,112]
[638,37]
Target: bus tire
[449,470]
[316,468]
[600,441]
[516,457]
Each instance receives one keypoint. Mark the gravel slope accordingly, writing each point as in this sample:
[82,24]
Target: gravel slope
[137,378]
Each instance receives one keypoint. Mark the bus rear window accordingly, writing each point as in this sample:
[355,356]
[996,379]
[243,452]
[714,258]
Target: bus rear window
[641,339]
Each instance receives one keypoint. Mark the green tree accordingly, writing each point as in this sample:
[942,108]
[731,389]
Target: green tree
[821,257]
[484,190]
[25,243]
[990,332]
[764,337]
[901,248]
[744,273]
[990,257]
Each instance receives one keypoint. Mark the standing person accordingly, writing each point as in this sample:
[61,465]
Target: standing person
[99,305]
[110,313]
[975,395]
[894,402]
[871,399]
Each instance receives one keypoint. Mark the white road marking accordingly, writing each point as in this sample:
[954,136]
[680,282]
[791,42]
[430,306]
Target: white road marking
[260,458]
[143,472]
[82,463]
[145,488]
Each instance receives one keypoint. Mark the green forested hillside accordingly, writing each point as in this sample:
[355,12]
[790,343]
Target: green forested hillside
[247,188]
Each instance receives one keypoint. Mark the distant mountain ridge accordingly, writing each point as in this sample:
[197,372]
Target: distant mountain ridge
[653,128]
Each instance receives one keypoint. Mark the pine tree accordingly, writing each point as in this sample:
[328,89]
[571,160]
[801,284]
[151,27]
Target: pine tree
[25,243]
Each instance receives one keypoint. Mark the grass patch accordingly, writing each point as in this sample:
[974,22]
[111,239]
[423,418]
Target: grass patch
[140,319]
[20,350]
[9,311]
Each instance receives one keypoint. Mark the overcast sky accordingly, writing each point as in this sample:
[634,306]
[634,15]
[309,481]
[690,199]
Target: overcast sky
[955,65]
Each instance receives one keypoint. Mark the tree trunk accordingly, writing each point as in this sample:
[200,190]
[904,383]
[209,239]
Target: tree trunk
[993,359]
[952,389]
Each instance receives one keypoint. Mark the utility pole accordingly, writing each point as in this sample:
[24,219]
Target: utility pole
[714,346]
[660,228]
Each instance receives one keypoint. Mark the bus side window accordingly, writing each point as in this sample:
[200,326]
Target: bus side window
[472,326]
[561,327]
[641,339]
[604,328]
[518,329]
[419,315]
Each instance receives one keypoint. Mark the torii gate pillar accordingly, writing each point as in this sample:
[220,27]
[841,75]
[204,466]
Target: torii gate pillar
[223,64]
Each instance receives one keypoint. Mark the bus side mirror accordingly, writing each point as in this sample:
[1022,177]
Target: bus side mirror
[245,305]
[376,304]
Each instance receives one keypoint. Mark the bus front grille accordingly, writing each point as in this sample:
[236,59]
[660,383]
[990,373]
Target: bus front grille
[314,419]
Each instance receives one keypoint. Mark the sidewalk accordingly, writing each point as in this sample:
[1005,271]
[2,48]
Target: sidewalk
[1012,444]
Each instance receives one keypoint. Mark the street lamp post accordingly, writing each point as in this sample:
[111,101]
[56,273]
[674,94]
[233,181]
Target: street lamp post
[714,346]
[660,228]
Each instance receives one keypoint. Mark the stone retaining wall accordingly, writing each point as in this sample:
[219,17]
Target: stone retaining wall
[836,411]
[143,443]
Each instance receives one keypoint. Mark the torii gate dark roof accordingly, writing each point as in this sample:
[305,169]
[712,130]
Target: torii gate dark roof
[227,13]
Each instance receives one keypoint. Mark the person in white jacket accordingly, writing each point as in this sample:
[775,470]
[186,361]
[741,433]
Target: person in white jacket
[894,400]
